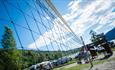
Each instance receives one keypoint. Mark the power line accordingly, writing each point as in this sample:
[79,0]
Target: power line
[24,12]
[60,47]
[11,21]
[29,16]
[27,24]
[50,14]
[59,15]
[34,19]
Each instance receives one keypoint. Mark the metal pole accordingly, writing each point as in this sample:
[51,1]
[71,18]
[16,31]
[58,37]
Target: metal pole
[84,46]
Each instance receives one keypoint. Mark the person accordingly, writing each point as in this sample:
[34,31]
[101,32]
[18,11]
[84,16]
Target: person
[107,49]
[92,50]
[42,67]
[80,56]
[48,66]
[86,55]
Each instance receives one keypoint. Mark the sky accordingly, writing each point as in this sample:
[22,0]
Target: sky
[81,15]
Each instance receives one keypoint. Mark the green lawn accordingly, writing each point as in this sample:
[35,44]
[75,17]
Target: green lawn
[82,66]
[113,49]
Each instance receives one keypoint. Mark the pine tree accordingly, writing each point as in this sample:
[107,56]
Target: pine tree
[9,54]
[8,40]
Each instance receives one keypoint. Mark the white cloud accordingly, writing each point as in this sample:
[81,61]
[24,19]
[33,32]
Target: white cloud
[50,36]
[81,20]
[71,3]
[88,19]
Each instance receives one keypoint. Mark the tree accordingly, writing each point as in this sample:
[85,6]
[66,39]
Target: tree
[8,40]
[97,39]
[9,54]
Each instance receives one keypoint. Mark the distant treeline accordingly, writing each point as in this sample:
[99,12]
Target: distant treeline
[27,58]
[12,58]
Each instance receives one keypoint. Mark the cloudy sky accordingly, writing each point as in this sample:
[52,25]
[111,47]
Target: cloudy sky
[85,15]
[82,16]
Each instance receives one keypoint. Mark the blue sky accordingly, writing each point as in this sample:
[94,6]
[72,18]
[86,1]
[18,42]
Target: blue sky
[18,18]
[81,15]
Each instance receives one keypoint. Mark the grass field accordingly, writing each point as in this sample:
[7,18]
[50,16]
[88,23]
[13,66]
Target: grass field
[82,66]
[113,49]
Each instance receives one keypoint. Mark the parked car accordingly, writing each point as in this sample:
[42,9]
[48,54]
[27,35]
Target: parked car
[32,67]
[55,63]
[35,67]
[47,65]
